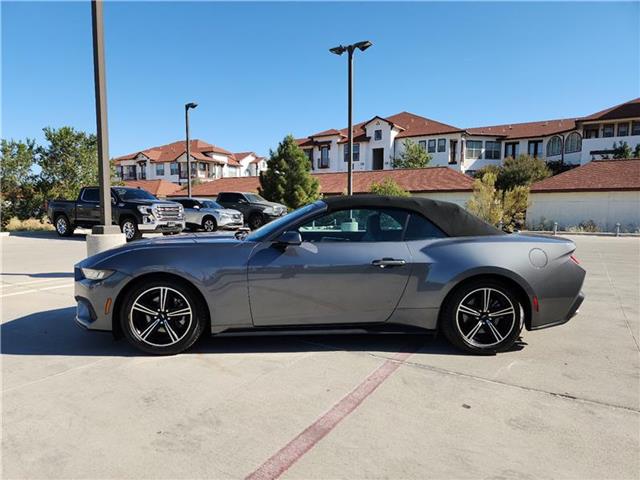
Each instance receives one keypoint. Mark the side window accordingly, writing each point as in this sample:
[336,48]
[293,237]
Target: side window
[90,195]
[187,203]
[225,197]
[419,228]
[356,225]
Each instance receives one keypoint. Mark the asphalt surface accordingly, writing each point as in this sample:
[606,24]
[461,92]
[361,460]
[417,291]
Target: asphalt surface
[564,404]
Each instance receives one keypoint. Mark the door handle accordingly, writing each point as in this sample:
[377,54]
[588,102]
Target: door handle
[388,262]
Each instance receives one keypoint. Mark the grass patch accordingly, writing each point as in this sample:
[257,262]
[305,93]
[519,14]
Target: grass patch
[28,225]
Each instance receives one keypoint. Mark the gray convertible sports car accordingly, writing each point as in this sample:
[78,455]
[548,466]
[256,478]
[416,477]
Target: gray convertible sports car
[362,262]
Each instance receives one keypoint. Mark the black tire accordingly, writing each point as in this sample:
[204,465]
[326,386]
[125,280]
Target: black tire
[137,325]
[129,227]
[63,226]
[471,326]
[209,224]
[255,221]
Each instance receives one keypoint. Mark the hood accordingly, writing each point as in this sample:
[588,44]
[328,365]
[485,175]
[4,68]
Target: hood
[230,211]
[140,201]
[185,240]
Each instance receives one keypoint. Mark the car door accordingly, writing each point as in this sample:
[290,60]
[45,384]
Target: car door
[352,267]
[88,207]
[191,214]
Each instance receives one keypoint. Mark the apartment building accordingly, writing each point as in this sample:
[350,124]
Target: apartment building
[378,141]
[169,163]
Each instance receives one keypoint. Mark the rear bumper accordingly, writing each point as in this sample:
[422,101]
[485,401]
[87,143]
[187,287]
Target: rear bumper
[573,311]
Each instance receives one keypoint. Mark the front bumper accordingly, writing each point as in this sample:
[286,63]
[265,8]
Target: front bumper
[149,225]
[230,223]
[96,299]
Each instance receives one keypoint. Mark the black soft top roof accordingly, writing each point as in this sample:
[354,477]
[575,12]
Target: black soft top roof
[453,220]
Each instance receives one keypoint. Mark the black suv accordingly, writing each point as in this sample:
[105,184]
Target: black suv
[256,210]
[134,210]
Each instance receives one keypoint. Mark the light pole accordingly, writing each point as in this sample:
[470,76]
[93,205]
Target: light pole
[339,50]
[187,107]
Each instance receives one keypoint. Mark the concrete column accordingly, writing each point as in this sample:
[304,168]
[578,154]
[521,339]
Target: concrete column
[97,243]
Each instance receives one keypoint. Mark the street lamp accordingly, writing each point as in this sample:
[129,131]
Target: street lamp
[339,50]
[188,107]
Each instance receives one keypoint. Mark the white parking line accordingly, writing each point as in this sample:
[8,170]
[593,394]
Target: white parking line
[24,292]
[45,280]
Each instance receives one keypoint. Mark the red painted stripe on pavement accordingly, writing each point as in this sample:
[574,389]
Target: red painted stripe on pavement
[305,441]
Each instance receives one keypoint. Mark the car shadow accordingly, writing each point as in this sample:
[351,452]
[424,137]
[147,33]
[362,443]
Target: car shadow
[54,332]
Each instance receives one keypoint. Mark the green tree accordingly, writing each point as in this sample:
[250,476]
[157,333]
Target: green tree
[19,195]
[388,187]
[514,207]
[623,150]
[636,151]
[485,202]
[288,178]
[69,162]
[521,171]
[413,156]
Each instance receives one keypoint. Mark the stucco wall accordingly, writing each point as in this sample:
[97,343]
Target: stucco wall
[572,208]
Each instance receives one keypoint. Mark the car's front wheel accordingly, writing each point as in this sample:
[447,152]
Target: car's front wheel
[255,221]
[209,224]
[129,227]
[482,317]
[162,317]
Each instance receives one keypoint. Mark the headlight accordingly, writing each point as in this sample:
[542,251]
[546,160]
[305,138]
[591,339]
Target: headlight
[94,274]
[144,209]
[269,211]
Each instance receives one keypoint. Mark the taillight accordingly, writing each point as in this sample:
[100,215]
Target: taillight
[574,259]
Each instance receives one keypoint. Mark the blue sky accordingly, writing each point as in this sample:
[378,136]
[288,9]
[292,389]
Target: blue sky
[262,70]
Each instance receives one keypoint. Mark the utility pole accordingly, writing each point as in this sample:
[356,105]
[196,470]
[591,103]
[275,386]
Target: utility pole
[187,107]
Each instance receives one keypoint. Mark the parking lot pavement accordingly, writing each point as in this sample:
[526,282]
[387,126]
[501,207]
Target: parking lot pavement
[565,404]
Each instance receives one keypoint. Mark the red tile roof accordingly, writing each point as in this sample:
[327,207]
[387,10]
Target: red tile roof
[159,188]
[171,151]
[416,126]
[526,130]
[598,175]
[414,180]
[241,155]
[624,110]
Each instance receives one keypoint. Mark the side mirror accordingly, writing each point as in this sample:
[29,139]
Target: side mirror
[113,201]
[290,237]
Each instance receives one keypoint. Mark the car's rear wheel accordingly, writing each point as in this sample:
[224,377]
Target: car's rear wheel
[63,226]
[162,317]
[483,317]
[209,224]
[255,221]
[129,227]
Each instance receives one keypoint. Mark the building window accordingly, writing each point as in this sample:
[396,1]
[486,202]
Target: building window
[324,157]
[377,134]
[432,146]
[591,132]
[423,144]
[473,149]
[535,148]
[607,130]
[492,150]
[511,149]
[623,129]
[573,143]
[130,173]
[554,146]
[309,153]
[160,169]
[356,152]
[202,166]
[442,145]
[120,170]
[635,128]
[174,168]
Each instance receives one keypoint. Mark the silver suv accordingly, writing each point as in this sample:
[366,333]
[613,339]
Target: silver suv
[206,214]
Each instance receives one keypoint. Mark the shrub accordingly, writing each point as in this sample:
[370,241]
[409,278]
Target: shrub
[30,224]
[388,187]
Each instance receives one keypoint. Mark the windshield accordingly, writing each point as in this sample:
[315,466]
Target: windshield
[211,204]
[254,198]
[133,194]
[291,218]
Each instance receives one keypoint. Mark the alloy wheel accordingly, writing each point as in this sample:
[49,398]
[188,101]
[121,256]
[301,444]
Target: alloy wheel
[485,317]
[129,229]
[209,225]
[61,225]
[160,317]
